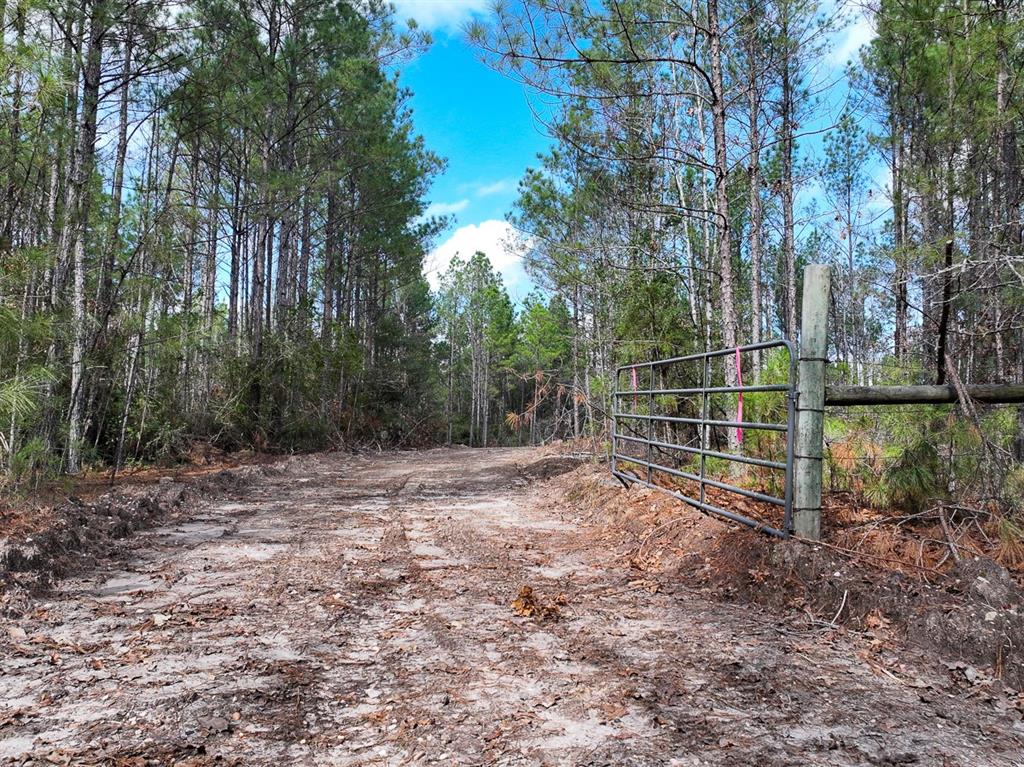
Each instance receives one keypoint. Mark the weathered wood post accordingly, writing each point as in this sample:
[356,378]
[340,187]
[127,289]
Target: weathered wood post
[810,403]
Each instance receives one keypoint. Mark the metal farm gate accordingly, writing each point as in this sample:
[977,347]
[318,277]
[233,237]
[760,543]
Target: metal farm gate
[670,418]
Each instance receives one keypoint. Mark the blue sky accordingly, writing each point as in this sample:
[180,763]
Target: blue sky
[483,124]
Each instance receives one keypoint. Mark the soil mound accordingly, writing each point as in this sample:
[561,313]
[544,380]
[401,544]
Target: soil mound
[76,532]
[970,613]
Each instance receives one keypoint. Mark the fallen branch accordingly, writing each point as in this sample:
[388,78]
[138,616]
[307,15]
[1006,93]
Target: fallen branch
[878,557]
[948,534]
[846,593]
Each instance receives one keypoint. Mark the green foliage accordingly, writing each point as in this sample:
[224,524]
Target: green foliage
[911,463]
[768,407]
[19,398]
[32,464]
[1013,487]
[652,310]
[911,477]
[251,226]
[545,333]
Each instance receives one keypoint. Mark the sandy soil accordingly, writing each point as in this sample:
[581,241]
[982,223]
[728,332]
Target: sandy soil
[357,611]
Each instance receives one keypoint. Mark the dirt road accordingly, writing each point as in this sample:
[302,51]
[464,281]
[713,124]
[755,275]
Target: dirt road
[356,611]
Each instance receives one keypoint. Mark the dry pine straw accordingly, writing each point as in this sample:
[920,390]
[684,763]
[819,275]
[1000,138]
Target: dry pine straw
[917,545]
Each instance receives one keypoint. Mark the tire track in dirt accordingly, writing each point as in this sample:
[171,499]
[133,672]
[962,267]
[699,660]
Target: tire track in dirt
[356,611]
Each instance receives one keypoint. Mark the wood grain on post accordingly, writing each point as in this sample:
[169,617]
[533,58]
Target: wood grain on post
[921,395]
[810,403]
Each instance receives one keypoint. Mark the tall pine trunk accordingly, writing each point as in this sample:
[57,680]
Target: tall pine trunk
[754,182]
[788,234]
[722,220]
[78,204]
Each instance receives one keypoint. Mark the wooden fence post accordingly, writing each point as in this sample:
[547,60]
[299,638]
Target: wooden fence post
[810,403]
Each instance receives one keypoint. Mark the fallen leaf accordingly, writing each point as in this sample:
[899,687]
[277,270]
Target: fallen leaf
[875,620]
[334,600]
[547,701]
[527,605]
[613,710]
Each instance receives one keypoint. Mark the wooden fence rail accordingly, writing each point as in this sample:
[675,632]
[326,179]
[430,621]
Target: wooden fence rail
[813,396]
[848,396]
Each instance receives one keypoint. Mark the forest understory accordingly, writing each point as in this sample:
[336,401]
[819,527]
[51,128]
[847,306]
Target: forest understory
[499,606]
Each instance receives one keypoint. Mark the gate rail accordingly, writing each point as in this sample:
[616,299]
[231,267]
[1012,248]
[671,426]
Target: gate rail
[705,423]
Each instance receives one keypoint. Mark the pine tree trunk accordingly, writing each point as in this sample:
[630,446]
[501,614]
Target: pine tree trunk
[78,201]
[754,182]
[117,189]
[236,248]
[485,404]
[212,235]
[330,259]
[305,249]
[788,235]
[722,220]
[900,277]
[705,295]
[576,362]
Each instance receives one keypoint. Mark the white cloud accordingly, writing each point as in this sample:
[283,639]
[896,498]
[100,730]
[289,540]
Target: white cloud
[445,208]
[881,179]
[880,189]
[498,187]
[852,38]
[498,239]
[439,14]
